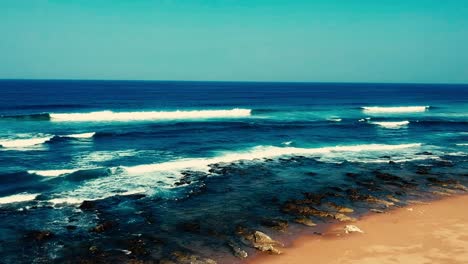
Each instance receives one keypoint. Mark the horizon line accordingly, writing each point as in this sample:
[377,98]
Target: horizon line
[229,81]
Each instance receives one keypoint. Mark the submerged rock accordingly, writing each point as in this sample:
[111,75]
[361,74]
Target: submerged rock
[305,221]
[277,224]
[103,227]
[237,250]
[39,235]
[339,208]
[185,258]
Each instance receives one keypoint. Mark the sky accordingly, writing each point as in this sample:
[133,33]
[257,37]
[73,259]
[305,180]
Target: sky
[423,41]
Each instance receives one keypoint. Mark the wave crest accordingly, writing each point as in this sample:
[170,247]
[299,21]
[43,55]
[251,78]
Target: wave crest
[392,125]
[149,115]
[394,109]
[23,143]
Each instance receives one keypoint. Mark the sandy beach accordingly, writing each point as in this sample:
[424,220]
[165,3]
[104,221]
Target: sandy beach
[434,232]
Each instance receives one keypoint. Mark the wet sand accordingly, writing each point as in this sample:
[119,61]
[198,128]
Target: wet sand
[435,232]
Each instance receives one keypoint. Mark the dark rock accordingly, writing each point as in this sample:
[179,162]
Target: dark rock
[387,176]
[441,182]
[39,236]
[277,224]
[423,170]
[185,258]
[93,249]
[352,175]
[424,153]
[103,227]
[193,227]
[88,205]
[237,250]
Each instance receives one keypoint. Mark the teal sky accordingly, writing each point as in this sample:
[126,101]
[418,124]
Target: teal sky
[243,40]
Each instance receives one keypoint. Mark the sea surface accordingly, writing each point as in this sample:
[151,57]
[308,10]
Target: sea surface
[166,167]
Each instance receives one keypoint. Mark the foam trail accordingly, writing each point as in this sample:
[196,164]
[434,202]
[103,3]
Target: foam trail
[149,115]
[82,135]
[52,173]
[392,125]
[395,109]
[17,198]
[462,144]
[260,152]
[21,143]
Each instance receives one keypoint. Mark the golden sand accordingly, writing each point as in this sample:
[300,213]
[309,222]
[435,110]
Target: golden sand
[436,232]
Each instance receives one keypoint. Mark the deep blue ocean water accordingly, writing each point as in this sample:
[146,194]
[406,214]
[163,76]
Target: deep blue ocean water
[218,154]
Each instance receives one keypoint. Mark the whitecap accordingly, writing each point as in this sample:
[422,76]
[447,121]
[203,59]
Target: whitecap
[392,125]
[24,142]
[52,173]
[149,115]
[82,135]
[395,109]
[334,119]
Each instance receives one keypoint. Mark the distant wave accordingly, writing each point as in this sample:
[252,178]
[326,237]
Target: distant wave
[17,198]
[395,109]
[24,142]
[392,125]
[149,115]
[462,144]
[82,135]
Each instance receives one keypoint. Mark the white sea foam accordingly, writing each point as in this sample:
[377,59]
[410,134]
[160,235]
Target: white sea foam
[82,135]
[462,144]
[17,198]
[52,173]
[287,143]
[149,115]
[395,109]
[66,200]
[160,177]
[24,142]
[392,125]
[260,152]
[334,119]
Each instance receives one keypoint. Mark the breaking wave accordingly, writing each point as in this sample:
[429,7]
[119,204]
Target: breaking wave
[18,198]
[149,115]
[394,109]
[392,125]
[24,142]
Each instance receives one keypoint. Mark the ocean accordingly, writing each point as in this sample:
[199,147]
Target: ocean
[115,171]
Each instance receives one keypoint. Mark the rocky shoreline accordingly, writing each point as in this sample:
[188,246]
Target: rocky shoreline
[113,230]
